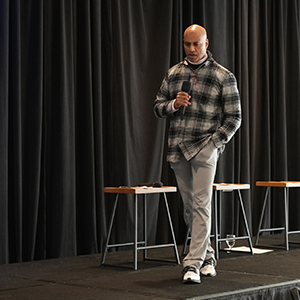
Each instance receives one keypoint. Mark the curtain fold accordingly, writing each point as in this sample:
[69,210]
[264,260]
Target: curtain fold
[4,63]
[77,84]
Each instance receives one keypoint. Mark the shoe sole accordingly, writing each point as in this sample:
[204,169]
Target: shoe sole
[190,281]
[209,275]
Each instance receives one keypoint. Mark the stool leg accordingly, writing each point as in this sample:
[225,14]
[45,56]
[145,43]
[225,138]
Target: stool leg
[216,224]
[135,231]
[110,228]
[145,226]
[171,227]
[245,221]
[262,215]
[286,218]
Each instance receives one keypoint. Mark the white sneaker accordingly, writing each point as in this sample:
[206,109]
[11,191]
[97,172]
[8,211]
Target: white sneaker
[208,268]
[191,275]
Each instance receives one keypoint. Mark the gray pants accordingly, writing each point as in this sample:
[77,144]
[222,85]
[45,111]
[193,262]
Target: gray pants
[195,179]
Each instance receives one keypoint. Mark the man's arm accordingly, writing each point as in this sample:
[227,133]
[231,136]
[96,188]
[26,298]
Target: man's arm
[232,114]
[163,107]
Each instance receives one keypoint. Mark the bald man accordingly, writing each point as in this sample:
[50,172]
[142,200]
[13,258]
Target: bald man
[202,101]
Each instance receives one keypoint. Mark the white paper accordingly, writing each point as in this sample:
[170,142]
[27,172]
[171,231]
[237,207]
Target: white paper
[247,249]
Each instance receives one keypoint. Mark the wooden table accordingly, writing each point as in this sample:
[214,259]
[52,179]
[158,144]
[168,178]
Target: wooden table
[285,185]
[140,191]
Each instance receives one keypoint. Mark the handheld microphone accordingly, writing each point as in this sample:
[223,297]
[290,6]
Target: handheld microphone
[186,87]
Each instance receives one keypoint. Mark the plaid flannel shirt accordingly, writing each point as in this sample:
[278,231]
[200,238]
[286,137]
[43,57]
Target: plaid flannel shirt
[214,113]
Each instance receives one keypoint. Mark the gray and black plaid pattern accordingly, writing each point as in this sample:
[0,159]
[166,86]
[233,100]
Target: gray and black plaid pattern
[214,113]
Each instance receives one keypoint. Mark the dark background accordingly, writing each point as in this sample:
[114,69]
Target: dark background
[77,84]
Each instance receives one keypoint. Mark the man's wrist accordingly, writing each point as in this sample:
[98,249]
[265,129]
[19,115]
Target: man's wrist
[173,106]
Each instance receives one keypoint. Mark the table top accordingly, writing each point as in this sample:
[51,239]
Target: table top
[168,189]
[139,190]
[230,186]
[279,183]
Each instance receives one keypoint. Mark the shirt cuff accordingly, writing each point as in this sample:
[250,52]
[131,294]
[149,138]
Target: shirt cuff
[173,106]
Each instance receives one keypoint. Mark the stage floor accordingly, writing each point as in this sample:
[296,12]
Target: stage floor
[82,277]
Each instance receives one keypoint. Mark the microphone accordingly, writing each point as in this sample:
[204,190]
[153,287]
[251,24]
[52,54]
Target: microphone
[186,87]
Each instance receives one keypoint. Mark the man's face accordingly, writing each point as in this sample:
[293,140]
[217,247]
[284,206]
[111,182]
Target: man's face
[195,46]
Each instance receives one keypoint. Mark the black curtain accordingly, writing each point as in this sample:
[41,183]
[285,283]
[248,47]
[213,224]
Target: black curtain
[77,83]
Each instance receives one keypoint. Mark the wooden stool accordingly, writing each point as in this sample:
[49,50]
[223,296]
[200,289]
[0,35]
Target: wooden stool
[285,185]
[139,191]
[227,187]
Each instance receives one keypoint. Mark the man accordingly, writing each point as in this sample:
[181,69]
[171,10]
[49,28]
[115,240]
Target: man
[203,118]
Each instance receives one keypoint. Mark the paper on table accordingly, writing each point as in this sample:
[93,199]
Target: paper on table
[247,249]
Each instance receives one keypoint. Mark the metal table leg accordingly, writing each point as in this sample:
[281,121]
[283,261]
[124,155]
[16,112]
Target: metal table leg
[286,217]
[245,221]
[110,228]
[172,230]
[135,231]
[262,215]
[145,226]
[216,224]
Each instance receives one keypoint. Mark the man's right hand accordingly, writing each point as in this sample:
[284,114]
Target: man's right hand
[182,99]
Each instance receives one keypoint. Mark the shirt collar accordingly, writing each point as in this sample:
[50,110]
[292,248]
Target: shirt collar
[199,62]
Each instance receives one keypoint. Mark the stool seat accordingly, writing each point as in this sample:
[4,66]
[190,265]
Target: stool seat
[140,191]
[230,186]
[285,185]
[278,183]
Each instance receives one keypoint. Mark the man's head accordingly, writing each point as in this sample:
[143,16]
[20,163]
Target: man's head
[195,43]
